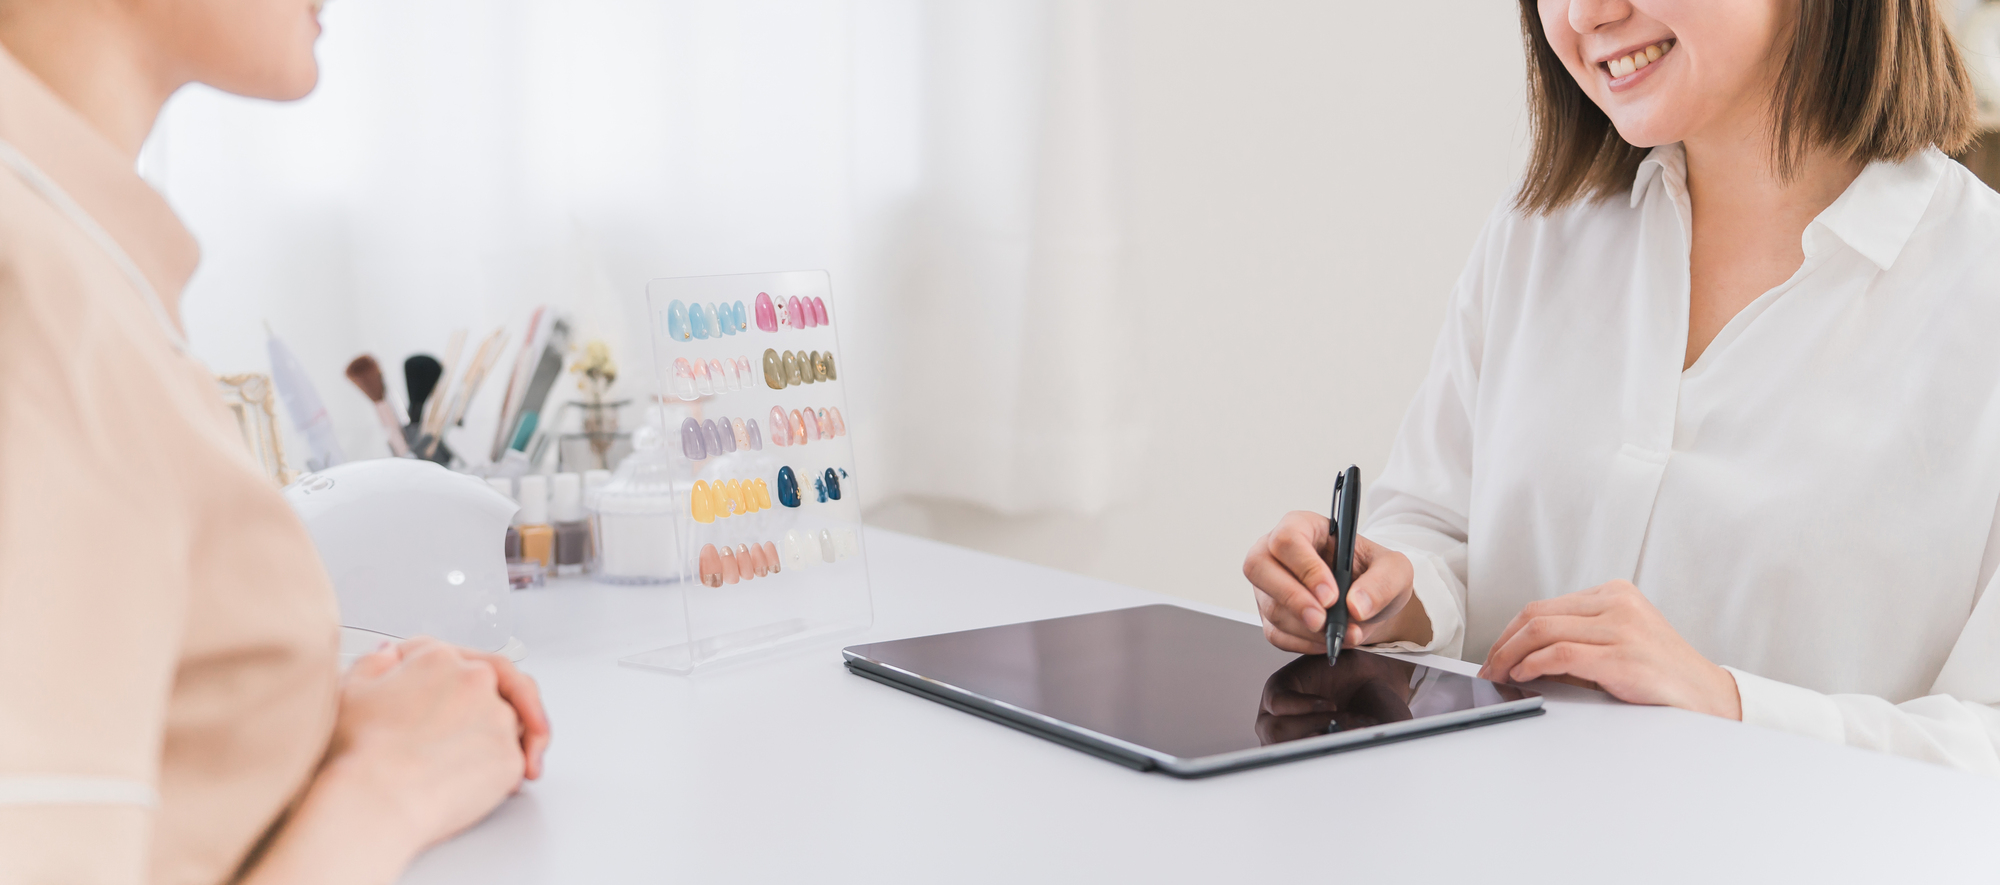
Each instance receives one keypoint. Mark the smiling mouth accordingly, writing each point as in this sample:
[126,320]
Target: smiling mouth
[1628,65]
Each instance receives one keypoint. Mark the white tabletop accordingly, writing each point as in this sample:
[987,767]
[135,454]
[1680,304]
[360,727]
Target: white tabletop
[793,770]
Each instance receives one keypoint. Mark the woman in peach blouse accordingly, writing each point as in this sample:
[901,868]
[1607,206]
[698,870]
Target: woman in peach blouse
[170,705]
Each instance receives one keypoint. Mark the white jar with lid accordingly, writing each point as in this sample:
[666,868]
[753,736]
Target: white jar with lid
[637,524]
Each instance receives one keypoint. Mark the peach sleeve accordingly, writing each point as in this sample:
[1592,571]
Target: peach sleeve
[92,597]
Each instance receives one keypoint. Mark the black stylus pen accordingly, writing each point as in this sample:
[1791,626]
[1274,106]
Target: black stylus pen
[1340,529]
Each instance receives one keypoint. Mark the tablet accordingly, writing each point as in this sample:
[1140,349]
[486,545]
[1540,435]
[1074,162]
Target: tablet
[1163,688]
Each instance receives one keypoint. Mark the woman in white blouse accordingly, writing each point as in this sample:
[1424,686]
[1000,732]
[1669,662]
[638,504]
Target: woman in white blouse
[1714,420]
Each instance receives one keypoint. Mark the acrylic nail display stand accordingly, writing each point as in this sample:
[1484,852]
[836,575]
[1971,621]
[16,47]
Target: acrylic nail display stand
[788,493]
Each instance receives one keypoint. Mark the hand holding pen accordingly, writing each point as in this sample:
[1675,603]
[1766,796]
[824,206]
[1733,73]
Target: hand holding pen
[1290,570]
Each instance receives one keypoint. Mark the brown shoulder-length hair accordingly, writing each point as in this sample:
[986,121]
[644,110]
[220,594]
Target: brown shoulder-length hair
[1867,79]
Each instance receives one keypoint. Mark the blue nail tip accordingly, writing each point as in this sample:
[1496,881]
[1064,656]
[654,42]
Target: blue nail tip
[692,443]
[742,317]
[677,322]
[819,485]
[696,323]
[832,484]
[725,320]
[788,487]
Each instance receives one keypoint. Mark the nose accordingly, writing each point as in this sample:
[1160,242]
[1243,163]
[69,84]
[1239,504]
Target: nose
[1587,16]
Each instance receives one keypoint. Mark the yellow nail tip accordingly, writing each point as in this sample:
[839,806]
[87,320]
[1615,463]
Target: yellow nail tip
[702,503]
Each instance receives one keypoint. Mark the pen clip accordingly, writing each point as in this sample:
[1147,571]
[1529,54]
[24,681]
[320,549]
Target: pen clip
[1339,498]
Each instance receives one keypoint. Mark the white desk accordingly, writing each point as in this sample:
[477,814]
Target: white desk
[793,770]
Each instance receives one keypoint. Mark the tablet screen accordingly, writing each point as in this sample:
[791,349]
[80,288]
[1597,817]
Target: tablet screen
[1181,682]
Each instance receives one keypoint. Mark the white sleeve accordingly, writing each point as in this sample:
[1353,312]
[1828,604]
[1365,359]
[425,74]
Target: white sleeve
[1422,498]
[1957,724]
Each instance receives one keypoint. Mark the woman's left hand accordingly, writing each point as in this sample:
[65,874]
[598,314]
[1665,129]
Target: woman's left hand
[1613,636]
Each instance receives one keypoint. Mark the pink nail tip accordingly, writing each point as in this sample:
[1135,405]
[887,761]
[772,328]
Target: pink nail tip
[767,313]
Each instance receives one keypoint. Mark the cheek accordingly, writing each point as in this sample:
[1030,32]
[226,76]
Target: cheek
[1562,38]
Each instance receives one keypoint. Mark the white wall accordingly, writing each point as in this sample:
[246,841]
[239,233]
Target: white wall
[1296,184]
[1303,183]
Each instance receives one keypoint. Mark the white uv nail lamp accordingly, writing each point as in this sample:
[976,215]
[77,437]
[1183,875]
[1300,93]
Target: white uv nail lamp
[413,549]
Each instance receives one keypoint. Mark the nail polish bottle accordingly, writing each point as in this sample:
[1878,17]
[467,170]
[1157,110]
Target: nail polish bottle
[537,537]
[593,488]
[572,530]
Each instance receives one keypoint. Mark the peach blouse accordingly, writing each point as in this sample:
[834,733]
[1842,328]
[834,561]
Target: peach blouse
[167,633]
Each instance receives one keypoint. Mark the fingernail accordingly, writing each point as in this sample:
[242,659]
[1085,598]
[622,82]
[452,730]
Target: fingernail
[790,362]
[832,485]
[713,437]
[833,414]
[1357,604]
[701,505]
[697,323]
[826,545]
[756,436]
[771,554]
[788,487]
[741,432]
[1326,594]
[755,555]
[729,570]
[740,316]
[799,437]
[702,384]
[692,444]
[774,370]
[710,564]
[781,429]
[723,377]
[819,312]
[795,555]
[684,380]
[763,493]
[831,375]
[677,322]
[767,314]
[732,498]
[796,313]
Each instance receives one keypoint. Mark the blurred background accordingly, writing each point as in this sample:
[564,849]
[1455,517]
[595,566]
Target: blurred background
[1117,283]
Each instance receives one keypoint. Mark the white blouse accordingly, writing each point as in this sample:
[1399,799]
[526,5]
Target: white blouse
[1811,504]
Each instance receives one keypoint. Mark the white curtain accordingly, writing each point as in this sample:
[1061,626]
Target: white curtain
[464,160]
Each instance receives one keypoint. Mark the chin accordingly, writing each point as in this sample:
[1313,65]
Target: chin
[1645,133]
[284,80]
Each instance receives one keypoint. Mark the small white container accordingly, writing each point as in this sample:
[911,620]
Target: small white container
[636,519]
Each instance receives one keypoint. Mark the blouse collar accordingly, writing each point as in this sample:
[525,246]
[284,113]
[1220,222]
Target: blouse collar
[98,177]
[1875,216]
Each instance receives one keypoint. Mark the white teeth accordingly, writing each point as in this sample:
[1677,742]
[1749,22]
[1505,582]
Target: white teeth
[1624,67]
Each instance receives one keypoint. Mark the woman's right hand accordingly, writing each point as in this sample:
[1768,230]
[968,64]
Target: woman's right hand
[1294,585]
[425,727]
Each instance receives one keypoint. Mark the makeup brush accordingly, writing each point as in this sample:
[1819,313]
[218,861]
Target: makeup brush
[420,373]
[367,375]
